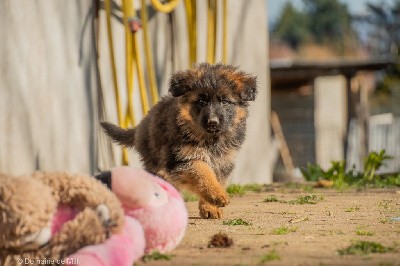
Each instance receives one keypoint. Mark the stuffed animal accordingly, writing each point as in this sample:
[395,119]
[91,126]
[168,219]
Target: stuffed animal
[147,200]
[44,217]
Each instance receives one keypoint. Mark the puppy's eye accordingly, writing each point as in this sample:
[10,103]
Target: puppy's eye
[201,101]
[224,101]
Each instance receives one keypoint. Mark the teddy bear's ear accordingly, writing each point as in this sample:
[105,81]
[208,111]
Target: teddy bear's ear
[181,82]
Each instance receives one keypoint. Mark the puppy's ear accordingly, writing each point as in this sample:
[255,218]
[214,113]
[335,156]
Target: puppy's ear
[249,92]
[246,86]
[181,82]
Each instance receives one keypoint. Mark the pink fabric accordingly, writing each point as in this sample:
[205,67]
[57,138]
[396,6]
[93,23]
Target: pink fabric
[167,187]
[156,218]
[164,225]
[63,214]
[121,249]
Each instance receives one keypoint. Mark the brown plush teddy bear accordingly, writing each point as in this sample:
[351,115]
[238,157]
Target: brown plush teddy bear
[44,217]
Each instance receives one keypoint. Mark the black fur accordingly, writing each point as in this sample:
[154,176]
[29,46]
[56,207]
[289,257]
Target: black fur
[124,137]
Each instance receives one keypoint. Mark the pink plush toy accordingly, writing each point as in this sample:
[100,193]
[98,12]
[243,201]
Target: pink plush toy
[155,219]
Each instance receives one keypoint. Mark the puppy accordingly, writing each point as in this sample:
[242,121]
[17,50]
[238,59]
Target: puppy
[191,137]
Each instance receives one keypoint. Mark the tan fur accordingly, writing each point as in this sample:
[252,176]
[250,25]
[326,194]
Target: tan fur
[185,113]
[27,204]
[200,178]
[240,115]
[208,210]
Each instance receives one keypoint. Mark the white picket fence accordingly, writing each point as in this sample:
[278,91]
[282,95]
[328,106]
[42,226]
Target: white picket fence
[384,133]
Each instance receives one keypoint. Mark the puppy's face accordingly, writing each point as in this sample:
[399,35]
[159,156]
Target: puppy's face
[214,97]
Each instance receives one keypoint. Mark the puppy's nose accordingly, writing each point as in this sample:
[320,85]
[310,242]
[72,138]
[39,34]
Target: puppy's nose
[213,121]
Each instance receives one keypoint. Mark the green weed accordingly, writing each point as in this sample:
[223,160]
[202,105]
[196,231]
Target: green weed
[334,233]
[352,209]
[236,222]
[189,197]
[270,256]
[271,198]
[364,233]
[287,213]
[343,179]
[363,248]
[253,187]
[386,264]
[307,199]
[240,190]
[372,163]
[284,230]
[303,219]
[235,190]
[156,256]
[385,221]
[385,204]
[308,188]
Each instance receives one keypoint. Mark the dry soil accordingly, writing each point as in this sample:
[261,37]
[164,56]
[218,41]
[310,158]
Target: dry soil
[316,231]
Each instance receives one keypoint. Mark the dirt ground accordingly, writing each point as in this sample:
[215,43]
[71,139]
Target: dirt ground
[316,231]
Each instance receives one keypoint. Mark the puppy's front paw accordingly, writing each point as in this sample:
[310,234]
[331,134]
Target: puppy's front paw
[208,211]
[219,198]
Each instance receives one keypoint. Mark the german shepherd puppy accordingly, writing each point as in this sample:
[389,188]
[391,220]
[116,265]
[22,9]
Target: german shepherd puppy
[191,137]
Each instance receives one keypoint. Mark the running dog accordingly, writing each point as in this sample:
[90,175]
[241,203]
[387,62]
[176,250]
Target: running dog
[192,136]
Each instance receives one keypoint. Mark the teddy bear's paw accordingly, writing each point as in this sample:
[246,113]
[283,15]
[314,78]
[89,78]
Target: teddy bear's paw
[103,212]
[38,238]
[104,215]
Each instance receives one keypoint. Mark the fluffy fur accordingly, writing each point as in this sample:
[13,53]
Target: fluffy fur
[51,215]
[191,137]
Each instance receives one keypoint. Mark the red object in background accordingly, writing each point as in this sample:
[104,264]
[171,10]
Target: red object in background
[134,24]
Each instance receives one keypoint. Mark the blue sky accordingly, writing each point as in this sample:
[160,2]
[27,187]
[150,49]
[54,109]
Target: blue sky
[274,7]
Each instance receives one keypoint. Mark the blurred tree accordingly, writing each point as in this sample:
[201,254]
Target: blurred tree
[384,23]
[325,22]
[292,26]
[384,39]
[330,22]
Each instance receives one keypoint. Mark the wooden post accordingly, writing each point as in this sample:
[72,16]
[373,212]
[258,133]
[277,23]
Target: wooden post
[282,145]
[362,118]
[350,112]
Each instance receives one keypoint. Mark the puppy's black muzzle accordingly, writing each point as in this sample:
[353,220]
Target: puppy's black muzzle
[213,125]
